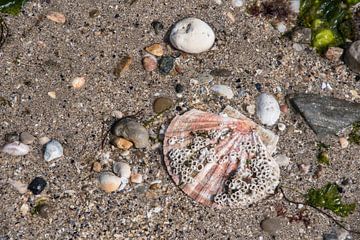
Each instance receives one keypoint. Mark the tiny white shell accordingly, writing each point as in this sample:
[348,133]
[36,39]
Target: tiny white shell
[16,149]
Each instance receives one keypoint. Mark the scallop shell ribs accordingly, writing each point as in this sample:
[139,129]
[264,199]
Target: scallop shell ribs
[219,161]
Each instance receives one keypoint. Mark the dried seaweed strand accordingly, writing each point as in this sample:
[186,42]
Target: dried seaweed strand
[319,210]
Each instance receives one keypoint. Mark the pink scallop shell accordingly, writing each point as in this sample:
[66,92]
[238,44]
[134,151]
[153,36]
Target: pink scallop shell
[210,181]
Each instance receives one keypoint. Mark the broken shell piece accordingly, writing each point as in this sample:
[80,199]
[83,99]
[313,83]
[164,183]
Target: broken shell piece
[109,182]
[16,149]
[219,161]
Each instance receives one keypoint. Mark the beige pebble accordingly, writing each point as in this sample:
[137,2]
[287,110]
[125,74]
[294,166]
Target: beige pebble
[24,209]
[344,143]
[96,167]
[78,82]
[251,109]
[117,114]
[136,178]
[27,138]
[109,182]
[122,143]
[44,140]
[122,169]
[155,49]
[56,17]
[52,94]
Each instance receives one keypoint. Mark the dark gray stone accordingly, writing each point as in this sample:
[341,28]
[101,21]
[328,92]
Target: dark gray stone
[352,57]
[326,115]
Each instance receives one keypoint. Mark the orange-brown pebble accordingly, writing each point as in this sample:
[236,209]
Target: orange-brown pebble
[122,143]
[149,63]
[284,108]
[96,167]
[136,178]
[155,49]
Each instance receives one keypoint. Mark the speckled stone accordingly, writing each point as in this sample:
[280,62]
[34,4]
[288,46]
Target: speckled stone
[162,104]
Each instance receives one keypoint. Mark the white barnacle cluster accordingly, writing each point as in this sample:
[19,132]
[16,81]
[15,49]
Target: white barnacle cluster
[255,179]
[188,161]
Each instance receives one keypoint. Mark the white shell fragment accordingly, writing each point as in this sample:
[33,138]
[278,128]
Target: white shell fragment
[109,182]
[122,169]
[192,35]
[16,149]
[223,90]
[53,150]
[267,109]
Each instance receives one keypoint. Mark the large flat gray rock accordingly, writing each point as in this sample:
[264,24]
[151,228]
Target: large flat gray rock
[326,115]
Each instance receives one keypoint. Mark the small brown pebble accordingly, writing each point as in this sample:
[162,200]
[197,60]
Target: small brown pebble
[56,17]
[96,167]
[155,49]
[334,54]
[284,108]
[122,143]
[45,210]
[149,63]
[155,186]
[344,143]
[136,178]
[122,66]
[94,13]
[162,104]
[318,172]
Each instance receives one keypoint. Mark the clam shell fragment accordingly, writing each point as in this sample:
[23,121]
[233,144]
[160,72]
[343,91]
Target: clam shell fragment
[220,161]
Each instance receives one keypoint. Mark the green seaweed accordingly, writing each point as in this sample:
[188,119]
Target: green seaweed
[354,136]
[12,7]
[328,197]
[329,20]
